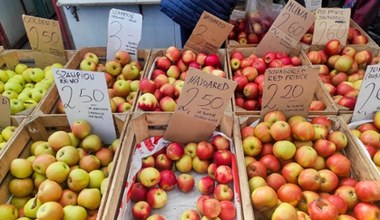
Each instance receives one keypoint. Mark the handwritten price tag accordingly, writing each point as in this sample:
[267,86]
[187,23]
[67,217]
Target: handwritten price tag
[368,101]
[289,90]
[200,107]
[331,23]
[45,39]
[5,116]
[85,96]
[209,34]
[313,5]
[287,30]
[124,32]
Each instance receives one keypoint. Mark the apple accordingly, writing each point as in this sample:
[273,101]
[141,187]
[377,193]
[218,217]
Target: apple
[138,192]
[185,182]
[348,194]
[251,146]
[291,172]
[284,149]
[174,151]
[157,198]
[274,116]
[89,198]
[41,163]
[306,156]
[96,178]
[78,179]
[162,162]
[91,56]
[212,60]
[206,185]
[189,215]
[280,130]
[324,148]
[155,217]
[105,155]
[21,168]
[275,180]
[364,211]
[68,197]
[255,182]
[173,53]
[141,210]
[31,207]
[211,208]
[290,193]
[339,164]
[87,64]
[89,162]
[147,102]
[322,209]
[68,155]
[256,168]
[168,180]
[200,166]
[199,203]
[50,211]
[184,164]
[284,211]
[262,132]
[211,169]
[309,179]
[173,71]
[8,211]
[223,174]
[74,212]
[113,67]
[368,190]
[58,139]
[58,171]
[271,163]
[190,149]
[307,198]
[303,131]
[149,176]
[338,202]
[163,63]
[204,150]
[264,198]
[49,191]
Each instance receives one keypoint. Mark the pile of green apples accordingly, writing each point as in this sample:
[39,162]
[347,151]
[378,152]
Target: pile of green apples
[63,178]
[5,135]
[26,86]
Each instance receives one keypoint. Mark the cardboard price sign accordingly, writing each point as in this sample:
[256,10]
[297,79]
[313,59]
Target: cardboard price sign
[5,116]
[368,101]
[209,34]
[200,107]
[313,5]
[45,39]
[84,95]
[289,90]
[287,30]
[124,32]
[331,23]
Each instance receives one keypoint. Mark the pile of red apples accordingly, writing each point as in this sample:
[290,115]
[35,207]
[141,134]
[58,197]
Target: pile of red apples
[64,177]
[297,170]
[354,36]
[368,134]
[248,73]
[122,77]
[160,91]
[171,169]
[341,71]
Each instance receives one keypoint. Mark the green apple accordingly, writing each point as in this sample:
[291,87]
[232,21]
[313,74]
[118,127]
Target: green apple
[31,207]
[21,168]
[50,211]
[31,158]
[2,145]
[19,202]
[89,198]
[47,68]
[1,139]
[10,73]
[135,85]
[1,87]
[4,76]
[57,65]
[42,162]
[16,106]
[91,143]
[26,75]
[48,81]
[103,185]
[68,155]
[38,179]
[21,187]
[37,74]
[87,64]
[74,212]
[43,148]
[20,67]
[78,179]
[13,85]
[18,78]
[8,212]
[58,171]
[28,86]
[7,132]
[10,94]
[59,139]
[49,74]
[30,103]
[115,145]
[96,178]
[38,93]
[74,140]
[43,85]
[25,95]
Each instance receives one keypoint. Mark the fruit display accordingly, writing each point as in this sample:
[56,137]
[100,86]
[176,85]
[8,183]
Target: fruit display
[56,171]
[304,168]
[6,134]
[25,85]
[248,33]
[248,71]
[160,89]
[341,70]
[122,76]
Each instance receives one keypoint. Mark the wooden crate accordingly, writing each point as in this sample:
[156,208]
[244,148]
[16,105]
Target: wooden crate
[360,165]
[48,104]
[15,121]
[141,127]
[161,52]
[1,49]
[39,128]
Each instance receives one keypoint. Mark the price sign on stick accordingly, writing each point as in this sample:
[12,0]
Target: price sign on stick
[124,32]
[200,107]
[209,34]
[45,39]
[84,95]
[331,23]
[287,30]
[5,116]
[368,101]
[289,90]
[313,5]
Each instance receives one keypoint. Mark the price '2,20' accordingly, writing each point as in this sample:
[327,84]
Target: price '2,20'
[204,101]
[84,96]
[44,37]
[374,92]
[289,91]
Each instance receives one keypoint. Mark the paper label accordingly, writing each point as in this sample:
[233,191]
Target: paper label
[209,34]
[331,23]
[5,116]
[313,5]
[45,39]
[124,32]
[287,30]
[85,96]
[368,101]
[200,107]
[289,90]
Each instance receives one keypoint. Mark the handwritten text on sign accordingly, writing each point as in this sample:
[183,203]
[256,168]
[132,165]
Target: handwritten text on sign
[45,37]
[289,89]
[124,32]
[331,23]
[5,116]
[368,101]
[85,96]
[287,30]
[200,107]
[209,34]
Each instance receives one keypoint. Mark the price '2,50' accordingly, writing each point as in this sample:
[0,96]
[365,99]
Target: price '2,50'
[373,89]
[289,91]
[84,96]
[204,101]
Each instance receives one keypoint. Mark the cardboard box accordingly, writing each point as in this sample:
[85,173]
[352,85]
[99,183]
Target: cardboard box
[320,93]
[39,128]
[141,127]
[361,168]
[48,105]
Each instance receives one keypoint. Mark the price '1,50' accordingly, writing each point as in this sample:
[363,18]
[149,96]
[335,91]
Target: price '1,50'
[204,101]
[289,91]
[84,96]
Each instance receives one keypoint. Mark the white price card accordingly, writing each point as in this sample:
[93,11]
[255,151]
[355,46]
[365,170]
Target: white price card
[368,101]
[124,32]
[313,5]
[84,95]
